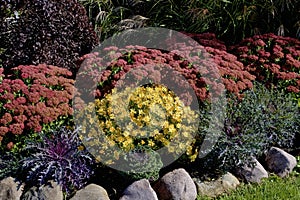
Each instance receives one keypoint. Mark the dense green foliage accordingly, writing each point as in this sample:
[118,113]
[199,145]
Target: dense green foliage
[142,163]
[230,20]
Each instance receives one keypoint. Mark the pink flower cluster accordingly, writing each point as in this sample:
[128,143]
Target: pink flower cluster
[234,76]
[274,60]
[32,96]
[214,65]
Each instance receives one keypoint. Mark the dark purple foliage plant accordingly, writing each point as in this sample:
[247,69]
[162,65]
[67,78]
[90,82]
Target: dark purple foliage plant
[55,32]
[60,156]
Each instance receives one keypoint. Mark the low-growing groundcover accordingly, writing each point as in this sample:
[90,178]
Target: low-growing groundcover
[271,188]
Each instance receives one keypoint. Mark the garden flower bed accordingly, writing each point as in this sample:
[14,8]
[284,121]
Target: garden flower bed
[244,101]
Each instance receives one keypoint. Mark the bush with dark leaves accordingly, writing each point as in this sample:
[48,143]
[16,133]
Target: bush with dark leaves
[55,32]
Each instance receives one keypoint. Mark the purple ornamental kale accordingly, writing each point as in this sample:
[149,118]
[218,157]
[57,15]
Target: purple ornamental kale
[60,157]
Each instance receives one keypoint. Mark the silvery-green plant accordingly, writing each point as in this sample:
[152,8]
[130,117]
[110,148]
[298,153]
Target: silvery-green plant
[142,163]
[262,119]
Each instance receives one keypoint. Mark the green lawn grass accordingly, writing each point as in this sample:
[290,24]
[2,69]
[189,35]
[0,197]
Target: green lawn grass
[273,188]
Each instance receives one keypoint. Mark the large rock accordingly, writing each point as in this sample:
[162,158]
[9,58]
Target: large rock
[139,190]
[252,174]
[229,182]
[176,185]
[280,162]
[49,191]
[10,189]
[91,192]
[213,189]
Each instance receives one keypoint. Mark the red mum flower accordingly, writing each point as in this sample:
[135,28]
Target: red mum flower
[3,130]
[16,129]
[6,119]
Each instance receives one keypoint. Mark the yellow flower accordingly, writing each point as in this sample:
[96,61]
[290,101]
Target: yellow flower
[147,119]
[127,143]
[112,129]
[164,89]
[108,124]
[132,111]
[112,116]
[80,148]
[172,129]
[166,124]
[151,143]
[155,106]
[120,139]
[116,155]
[165,141]
[182,146]
[189,150]
[194,156]
[156,132]
[171,149]
[126,133]
[141,112]
[101,111]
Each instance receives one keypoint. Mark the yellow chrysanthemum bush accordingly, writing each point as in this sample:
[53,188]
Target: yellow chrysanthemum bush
[149,118]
